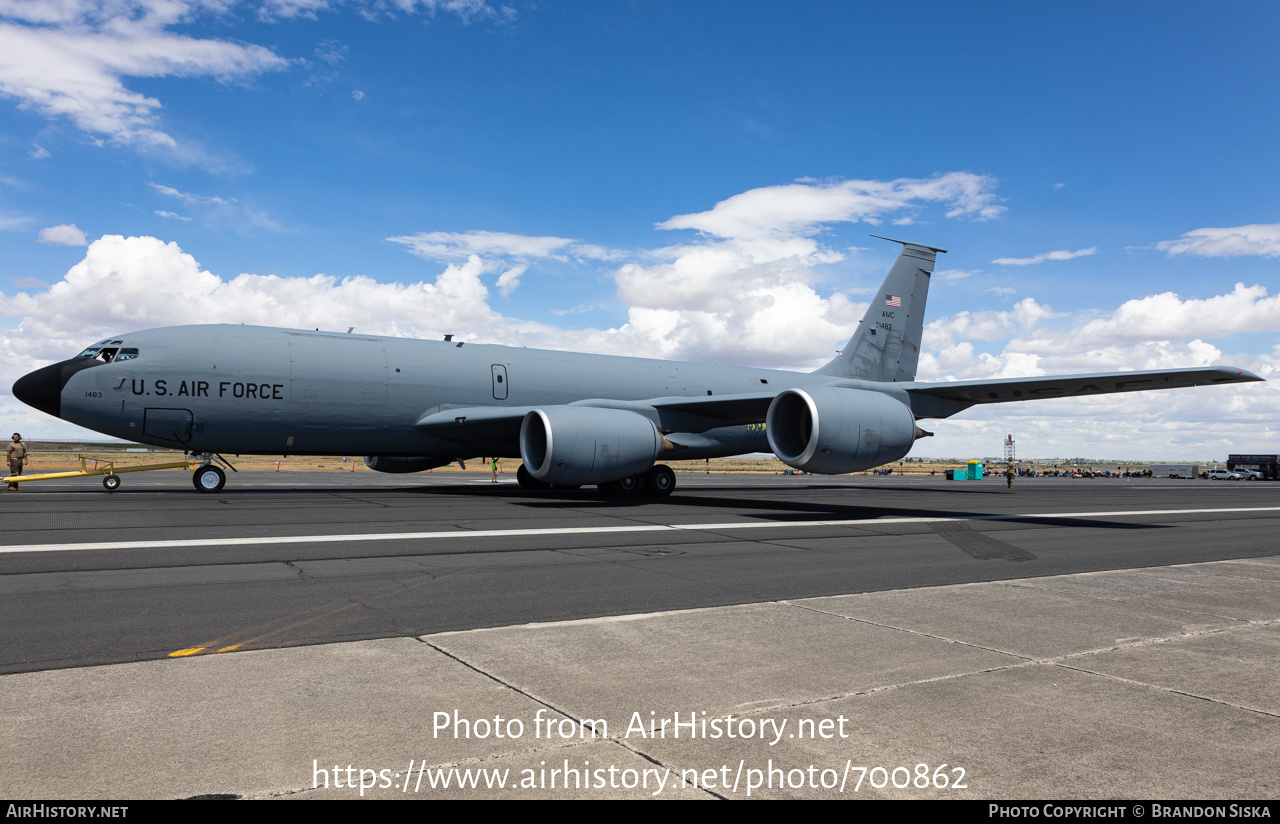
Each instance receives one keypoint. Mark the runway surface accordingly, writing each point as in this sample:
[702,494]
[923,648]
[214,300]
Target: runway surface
[299,636]
[287,559]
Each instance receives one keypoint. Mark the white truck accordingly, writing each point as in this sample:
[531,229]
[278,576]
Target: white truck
[1175,471]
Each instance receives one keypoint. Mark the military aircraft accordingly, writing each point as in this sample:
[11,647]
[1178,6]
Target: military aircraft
[573,419]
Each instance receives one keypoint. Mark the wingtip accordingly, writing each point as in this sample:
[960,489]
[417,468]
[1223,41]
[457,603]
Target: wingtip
[912,243]
[1237,375]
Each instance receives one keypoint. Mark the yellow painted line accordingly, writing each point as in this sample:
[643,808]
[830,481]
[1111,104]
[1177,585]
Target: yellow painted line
[184,652]
[347,604]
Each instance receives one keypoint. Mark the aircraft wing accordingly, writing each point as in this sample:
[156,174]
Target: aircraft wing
[943,399]
[501,424]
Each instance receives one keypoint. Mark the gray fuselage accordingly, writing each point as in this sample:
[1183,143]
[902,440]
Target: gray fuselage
[260,390]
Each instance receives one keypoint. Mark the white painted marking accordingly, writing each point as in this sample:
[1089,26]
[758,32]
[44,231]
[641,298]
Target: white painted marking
[597,530]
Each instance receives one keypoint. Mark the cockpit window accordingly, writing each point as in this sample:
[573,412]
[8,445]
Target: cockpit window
[107,354]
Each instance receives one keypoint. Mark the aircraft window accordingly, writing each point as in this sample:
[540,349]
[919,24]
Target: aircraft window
[108,355]
[127,354]
[92,351]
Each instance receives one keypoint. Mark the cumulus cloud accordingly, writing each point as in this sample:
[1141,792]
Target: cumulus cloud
[1167,316]
[1259,240]
[1061,254]
[1155,332]
[66,234]
[510,279]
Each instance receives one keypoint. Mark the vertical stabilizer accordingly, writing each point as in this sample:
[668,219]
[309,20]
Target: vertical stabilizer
[886,345]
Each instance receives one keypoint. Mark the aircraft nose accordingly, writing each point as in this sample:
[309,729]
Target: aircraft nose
[43,389]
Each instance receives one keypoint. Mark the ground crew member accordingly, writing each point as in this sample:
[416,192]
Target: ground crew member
[1008,474]
[495,470]
[17,457]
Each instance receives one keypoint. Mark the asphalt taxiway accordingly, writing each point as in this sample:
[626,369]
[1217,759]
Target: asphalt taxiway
[1069,638]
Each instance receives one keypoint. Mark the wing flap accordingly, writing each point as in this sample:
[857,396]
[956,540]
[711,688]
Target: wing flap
[501,424]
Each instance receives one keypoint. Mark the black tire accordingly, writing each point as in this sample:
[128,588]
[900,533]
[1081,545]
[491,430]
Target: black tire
[659,482]
[527,481]
[209,479]
[111,482]
[623,487]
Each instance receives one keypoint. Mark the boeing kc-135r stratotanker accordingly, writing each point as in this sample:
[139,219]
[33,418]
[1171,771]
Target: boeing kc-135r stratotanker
[574,419]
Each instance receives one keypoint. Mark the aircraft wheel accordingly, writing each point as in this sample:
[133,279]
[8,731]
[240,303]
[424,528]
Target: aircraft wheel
[209,479]
[527,481]
[622,487]
[659,481]
[111,482]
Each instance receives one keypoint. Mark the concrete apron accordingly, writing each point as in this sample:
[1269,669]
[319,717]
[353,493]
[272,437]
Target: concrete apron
[1150,683]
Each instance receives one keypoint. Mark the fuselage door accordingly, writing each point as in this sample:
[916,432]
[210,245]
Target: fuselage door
[499,382]
[172,425]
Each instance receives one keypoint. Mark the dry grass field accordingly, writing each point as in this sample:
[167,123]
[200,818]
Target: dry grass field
[61,457]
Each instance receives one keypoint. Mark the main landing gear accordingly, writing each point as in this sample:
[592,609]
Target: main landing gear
[658,482]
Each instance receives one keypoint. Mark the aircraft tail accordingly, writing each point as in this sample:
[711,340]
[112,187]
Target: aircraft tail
[886,345]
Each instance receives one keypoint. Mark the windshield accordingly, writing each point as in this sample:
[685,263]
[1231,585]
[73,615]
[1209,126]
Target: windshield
[107,354]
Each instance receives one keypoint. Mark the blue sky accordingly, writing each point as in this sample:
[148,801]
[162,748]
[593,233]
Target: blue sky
[687,180]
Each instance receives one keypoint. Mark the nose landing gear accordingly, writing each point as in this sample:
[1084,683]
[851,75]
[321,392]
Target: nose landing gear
[208,477]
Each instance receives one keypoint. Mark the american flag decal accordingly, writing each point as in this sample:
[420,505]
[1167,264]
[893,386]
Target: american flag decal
[893,300]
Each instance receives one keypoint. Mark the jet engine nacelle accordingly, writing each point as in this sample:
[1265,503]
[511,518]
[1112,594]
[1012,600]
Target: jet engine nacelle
[401,463]
[575,445]
[830,431]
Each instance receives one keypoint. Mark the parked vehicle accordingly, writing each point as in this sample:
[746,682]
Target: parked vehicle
[1175,471]
[1223,475]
